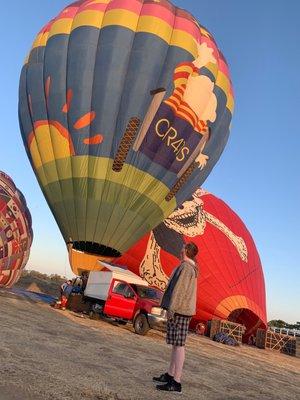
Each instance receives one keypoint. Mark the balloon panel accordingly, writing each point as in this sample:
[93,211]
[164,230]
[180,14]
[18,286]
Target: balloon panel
[124,109]
[231,282]
[15,232]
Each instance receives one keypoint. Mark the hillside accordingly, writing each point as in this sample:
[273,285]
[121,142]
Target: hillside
[40,283]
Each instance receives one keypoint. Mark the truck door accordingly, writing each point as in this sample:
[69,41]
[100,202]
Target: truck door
[121,300]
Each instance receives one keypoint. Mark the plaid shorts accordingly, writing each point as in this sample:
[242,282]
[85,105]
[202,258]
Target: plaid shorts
[177,329]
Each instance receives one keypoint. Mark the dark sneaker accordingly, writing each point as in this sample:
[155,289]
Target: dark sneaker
[172,386]
[164,378]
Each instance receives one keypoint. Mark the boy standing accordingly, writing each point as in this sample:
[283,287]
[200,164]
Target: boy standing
[180,302]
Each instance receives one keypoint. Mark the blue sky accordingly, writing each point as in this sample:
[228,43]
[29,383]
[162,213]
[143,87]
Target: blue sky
[258,173]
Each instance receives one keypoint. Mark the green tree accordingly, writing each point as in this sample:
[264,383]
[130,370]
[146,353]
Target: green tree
[277,323]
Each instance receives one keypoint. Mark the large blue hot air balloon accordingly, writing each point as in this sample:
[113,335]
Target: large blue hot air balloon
[124,109]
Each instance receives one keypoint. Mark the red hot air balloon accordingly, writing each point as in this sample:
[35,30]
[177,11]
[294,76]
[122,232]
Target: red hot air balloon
[231,283]
[15,232]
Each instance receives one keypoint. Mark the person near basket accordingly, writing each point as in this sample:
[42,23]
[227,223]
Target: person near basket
[67,290]
[180,302]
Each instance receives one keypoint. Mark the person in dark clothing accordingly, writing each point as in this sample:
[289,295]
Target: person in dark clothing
[64,286]
[180,302]
[84,277]
[66,291]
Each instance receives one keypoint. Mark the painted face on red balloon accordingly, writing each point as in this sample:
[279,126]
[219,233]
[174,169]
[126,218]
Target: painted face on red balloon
[189,219]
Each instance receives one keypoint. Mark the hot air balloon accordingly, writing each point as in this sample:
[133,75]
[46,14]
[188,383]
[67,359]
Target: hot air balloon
[124,109]
[231,282]
[15,232]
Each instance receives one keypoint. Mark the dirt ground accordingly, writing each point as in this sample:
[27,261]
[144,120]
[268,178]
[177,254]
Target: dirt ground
[50,354]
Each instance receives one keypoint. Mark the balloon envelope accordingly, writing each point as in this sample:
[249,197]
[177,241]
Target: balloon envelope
[231,282]
[15,232]
[124,109]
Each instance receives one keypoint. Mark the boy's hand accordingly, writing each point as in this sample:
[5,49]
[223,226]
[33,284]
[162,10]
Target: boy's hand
[202,160]
[170,314]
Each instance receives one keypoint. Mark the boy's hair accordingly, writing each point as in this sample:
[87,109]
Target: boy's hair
[191,250]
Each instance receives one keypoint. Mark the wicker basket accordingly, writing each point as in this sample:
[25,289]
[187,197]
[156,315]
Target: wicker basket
[232,329]
[275,341]
[76,303]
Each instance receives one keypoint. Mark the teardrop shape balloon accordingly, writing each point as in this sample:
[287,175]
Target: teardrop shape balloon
[231,280]
[124,109]
[15,232]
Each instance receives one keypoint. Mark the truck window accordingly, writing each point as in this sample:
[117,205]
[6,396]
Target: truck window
[123,289]
[120,288]
[146,292]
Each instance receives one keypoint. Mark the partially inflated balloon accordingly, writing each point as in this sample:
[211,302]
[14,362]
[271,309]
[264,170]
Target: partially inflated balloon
[231,282]
[124,109]
[15,232]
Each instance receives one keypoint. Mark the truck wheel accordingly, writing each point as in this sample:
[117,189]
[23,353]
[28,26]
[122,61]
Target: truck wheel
[141,325]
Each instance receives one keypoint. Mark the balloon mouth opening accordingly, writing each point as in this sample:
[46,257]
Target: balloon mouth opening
[96,248]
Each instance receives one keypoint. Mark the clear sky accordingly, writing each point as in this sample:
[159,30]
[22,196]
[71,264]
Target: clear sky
[258,173]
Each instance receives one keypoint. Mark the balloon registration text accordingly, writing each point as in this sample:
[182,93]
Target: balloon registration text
[170,136]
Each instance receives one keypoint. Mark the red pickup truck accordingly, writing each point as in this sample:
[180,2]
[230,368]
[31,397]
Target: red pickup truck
[118,293]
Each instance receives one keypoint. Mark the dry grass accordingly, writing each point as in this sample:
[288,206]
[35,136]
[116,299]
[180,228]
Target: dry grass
[49,354]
